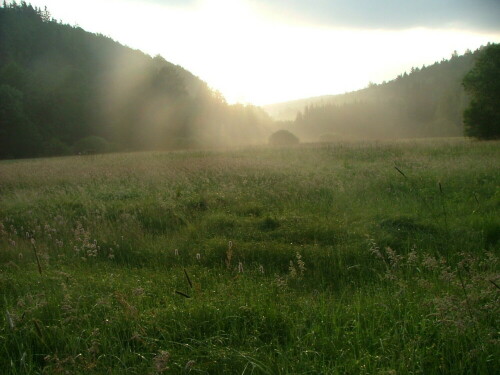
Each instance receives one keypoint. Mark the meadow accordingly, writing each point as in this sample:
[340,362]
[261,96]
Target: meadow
[353,258]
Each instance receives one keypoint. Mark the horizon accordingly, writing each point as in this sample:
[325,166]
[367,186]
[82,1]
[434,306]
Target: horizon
[265,53]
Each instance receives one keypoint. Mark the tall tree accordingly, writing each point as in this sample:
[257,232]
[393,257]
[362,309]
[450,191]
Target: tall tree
[482,117]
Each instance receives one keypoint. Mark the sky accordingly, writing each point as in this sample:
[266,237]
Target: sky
[269,51]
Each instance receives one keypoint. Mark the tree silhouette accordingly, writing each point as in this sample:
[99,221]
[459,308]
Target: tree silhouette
[482,117]
[62,85]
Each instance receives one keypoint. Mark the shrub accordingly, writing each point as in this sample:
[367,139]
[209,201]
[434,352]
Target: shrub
[55,147]
[283,138]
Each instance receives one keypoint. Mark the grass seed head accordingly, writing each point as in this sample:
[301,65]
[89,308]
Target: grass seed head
[160,361]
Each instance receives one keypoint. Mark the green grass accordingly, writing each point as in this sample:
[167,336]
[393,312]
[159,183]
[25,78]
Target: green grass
[362,258]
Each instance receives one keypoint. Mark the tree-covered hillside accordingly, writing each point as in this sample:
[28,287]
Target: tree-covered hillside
[60,85]
[427,102]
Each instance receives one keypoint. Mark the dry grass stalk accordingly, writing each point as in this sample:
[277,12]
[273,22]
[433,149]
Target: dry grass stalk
[229,254]
[36,256]
[188,279]
[182,294]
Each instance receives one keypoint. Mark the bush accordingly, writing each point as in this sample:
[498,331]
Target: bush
[91,145]
[283,138]
[55,147]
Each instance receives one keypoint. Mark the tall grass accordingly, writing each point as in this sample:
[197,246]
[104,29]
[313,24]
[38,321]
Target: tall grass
[359,258]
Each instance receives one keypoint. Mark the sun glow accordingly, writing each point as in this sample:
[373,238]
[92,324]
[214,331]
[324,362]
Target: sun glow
[252,58]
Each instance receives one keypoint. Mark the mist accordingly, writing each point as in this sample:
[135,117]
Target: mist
[426,102]
[82,92]
[66,91]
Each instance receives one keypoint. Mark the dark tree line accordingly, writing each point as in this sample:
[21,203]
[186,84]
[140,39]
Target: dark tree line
[60,85]
[64,90]
[427,102]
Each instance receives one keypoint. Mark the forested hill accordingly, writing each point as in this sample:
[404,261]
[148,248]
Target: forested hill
[64,90]
[427,102]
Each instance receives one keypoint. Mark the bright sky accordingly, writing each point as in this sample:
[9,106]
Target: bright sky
[267,51]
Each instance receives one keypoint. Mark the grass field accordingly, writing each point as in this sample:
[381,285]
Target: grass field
[362,258]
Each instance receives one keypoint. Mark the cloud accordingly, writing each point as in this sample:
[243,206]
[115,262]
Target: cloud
[481,15]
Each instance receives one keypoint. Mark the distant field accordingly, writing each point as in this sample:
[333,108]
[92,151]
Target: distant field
[362,258]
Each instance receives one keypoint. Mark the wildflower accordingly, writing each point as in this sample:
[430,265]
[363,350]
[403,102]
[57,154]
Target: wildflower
[9,319]
[412,257]
[138,291]
[189,365]
[160,361]
[281,282]
[394,258]
[292,270]
[300,264]
[429,262]
[374,249]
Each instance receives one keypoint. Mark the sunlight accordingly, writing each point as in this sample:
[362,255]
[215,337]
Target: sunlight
[243,52]
[151,222]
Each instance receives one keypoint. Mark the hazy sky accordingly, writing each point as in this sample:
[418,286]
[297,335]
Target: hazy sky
[265,51]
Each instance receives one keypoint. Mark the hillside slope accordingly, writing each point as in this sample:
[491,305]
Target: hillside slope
[427,102]
[60,84]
